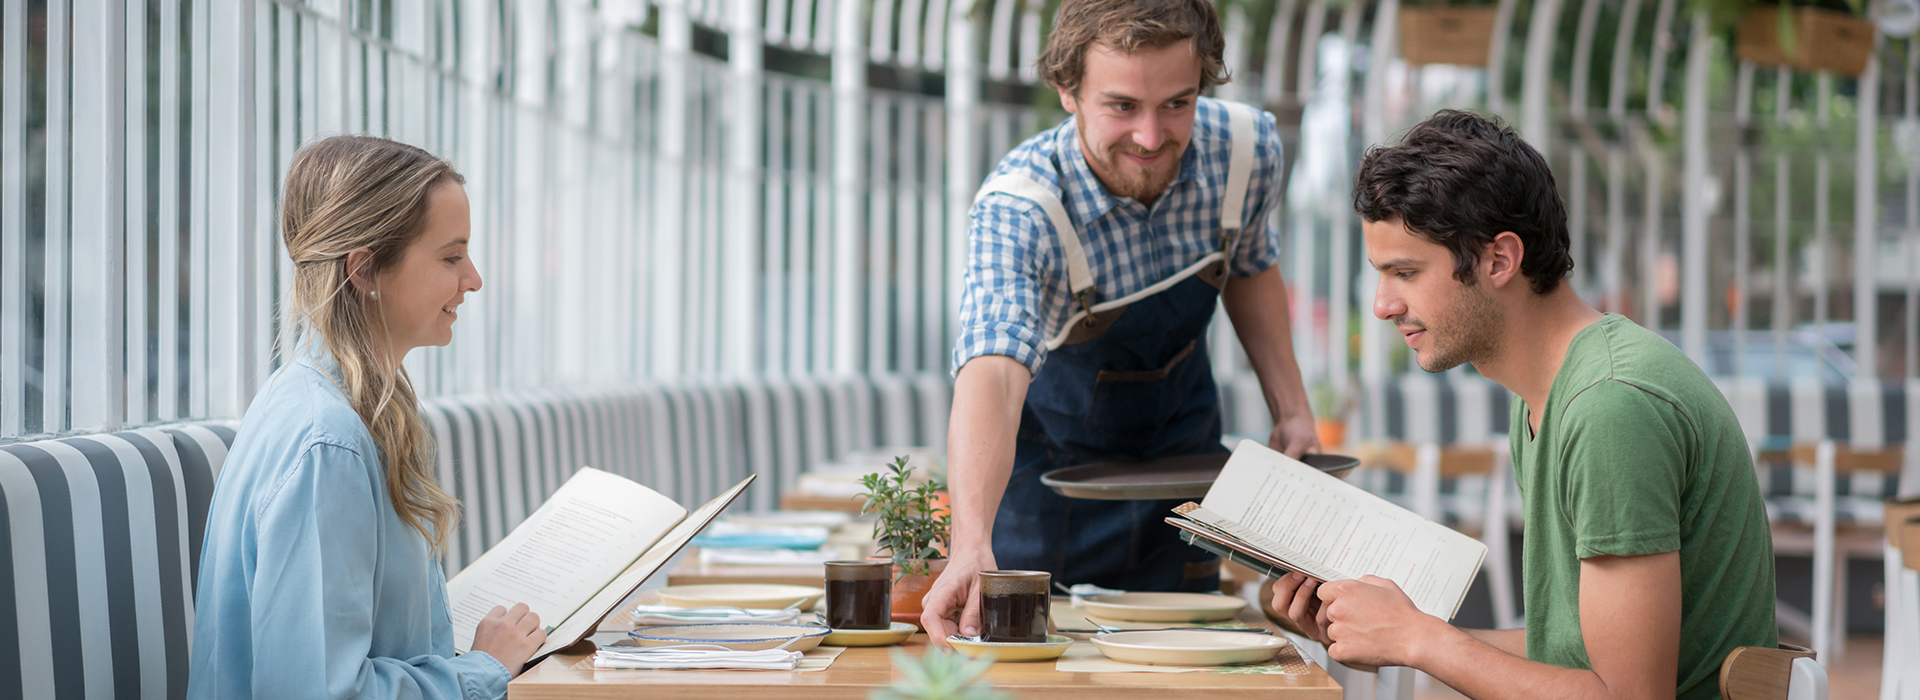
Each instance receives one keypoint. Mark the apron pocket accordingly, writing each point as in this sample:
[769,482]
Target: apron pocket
[1133,407]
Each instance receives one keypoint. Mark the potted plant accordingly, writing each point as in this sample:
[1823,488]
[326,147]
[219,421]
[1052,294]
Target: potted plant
[913,528]
[1443,31]
[1829,35]
[939,675]
[1330,405]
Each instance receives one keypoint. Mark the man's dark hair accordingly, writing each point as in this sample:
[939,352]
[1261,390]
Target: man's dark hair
[1459,179]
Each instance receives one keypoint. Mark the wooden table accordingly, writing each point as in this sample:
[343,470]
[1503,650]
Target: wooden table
[858,671]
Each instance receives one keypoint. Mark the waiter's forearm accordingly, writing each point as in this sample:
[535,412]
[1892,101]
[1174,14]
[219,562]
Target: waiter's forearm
[1262,317]
[987,397]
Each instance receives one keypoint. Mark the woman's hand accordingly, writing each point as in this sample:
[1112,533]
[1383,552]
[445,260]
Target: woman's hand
[510,636]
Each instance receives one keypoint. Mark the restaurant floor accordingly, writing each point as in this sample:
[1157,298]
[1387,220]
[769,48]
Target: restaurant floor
[1855,677]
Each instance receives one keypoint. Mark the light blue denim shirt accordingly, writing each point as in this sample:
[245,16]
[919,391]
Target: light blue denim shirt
[310,584]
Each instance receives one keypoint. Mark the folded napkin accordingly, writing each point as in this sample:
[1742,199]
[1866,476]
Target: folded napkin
[647,615]
[1080,591]
[695,656]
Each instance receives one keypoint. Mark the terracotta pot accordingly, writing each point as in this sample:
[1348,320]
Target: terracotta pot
[908,589]
[1331,431]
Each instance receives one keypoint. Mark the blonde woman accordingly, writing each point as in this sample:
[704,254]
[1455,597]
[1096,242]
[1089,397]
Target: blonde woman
[318,577]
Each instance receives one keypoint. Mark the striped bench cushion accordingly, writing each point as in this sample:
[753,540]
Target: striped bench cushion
[102,540]
[503,454]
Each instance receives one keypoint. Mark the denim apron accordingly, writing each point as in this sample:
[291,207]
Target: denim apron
[1126,379]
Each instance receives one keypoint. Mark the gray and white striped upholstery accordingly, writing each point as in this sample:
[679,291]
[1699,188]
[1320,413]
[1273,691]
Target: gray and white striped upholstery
[102,533]
[504,454]
[102,543]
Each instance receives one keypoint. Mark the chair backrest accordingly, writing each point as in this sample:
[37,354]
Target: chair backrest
[101,538]
[1760,673]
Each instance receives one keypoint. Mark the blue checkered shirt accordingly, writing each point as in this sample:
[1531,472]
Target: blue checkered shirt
[1017,294]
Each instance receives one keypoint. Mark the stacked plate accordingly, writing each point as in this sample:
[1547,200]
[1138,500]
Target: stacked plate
[1157,645]
[737,637]
[1162,607]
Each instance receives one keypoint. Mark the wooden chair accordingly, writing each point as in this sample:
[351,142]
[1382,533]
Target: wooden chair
[1759,673]
[1899,677]
[1827,537]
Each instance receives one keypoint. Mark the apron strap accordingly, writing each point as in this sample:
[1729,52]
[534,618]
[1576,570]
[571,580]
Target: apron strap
[1240,128]
[1079,275]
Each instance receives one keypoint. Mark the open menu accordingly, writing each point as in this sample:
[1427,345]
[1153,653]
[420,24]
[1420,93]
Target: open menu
[1276,514]
[586,549]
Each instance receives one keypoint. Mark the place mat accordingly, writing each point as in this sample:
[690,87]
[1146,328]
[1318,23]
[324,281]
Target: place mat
[1084,657]
[815,659]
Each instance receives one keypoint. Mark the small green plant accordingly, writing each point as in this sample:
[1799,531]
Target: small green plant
[939,675]
[910,528]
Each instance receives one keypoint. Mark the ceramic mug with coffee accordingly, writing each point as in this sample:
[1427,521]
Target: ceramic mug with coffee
[859,594]
[1014,605]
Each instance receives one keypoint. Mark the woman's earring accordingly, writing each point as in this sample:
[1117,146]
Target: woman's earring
[375,294]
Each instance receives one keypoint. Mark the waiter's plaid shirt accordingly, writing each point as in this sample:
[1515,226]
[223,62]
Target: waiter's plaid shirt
[1017,294]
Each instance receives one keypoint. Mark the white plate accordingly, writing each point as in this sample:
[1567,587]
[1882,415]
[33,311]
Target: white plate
[741,595]
[895,633]
[1189,647]
[1164,607]
[738,637]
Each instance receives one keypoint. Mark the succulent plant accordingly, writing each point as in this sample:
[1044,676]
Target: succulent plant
[939,675]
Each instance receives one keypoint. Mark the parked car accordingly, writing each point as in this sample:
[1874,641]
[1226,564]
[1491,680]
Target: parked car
[1804,354]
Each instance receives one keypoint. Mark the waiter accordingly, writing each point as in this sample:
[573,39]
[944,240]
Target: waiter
[1096,253]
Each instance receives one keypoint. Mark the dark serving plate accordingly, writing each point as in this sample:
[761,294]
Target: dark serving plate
[1187,476]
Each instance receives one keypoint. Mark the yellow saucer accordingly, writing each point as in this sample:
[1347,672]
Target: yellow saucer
[1055,645]
[897,633]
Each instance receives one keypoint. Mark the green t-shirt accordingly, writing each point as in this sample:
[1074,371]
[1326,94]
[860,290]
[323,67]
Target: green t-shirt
[1638,453]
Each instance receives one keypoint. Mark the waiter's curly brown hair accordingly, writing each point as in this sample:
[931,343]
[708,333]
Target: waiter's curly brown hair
[1127,26]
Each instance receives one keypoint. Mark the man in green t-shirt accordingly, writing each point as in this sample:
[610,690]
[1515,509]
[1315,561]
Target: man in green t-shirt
[1647,555]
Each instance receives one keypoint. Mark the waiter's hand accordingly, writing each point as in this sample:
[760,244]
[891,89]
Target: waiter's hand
[1295,434]
[952,604]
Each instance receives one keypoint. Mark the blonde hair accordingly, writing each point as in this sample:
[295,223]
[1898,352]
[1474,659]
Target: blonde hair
[348,193]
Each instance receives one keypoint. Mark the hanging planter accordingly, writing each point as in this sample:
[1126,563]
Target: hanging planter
[1813,36]
[1458,33]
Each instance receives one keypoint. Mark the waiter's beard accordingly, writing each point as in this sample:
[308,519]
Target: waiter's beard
[1141,182]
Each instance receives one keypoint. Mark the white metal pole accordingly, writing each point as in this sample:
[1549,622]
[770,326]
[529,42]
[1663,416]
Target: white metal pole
[13,218]
[1866,217]
[849,176]
[740,341]
[670,191]
[963,143]
[1541,37]
[99,226]
[1497,58]
[1693,204]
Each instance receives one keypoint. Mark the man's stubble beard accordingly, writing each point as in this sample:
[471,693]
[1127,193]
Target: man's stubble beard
[1475,323]
[1142,183]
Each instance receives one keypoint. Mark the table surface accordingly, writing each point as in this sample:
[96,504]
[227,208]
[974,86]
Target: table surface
[858,671]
